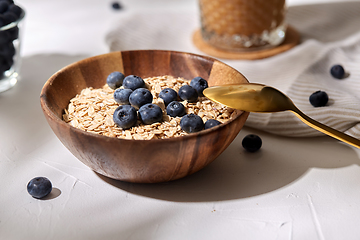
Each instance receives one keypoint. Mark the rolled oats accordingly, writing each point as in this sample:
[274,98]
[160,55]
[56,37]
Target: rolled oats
[92,111]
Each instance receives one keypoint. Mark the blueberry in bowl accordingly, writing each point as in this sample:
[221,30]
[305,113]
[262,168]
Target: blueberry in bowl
[175,109]
[122,95]
[132,159]
[199,84]
[168,95]
[140,97]
[188,93]
[125,116]
[191,123]
[150,113]
[115,79]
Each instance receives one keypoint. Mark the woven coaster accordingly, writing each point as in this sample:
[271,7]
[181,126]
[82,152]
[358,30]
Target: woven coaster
[292,38]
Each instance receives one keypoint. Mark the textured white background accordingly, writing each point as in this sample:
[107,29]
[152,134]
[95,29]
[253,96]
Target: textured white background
[294,188]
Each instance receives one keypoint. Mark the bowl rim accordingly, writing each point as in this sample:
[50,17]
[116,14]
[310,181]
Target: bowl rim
[60,121]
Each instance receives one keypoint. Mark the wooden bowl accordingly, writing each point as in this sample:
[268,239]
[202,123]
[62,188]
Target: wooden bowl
[142,161]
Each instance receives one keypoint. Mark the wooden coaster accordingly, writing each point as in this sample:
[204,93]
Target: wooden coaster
[291,40]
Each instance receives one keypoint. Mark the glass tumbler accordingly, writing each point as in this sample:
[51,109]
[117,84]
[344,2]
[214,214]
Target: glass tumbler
[243,25]
[10,59]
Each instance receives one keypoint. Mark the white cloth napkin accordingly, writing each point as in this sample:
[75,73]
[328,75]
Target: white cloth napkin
[330,35]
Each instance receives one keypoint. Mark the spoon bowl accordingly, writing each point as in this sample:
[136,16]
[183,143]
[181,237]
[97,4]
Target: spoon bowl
[260,98]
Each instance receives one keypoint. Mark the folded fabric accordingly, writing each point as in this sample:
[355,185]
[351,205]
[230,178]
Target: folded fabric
[330,35]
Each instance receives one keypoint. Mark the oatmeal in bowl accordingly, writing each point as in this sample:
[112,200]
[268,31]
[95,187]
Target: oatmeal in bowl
[155,132]
[93,110]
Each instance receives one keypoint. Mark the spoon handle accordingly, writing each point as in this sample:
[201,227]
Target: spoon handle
[326,129]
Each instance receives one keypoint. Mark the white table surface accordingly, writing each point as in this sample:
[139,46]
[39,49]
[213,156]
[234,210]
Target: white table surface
[294,188]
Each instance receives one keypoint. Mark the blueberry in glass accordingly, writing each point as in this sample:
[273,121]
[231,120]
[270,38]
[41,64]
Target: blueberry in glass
[150,113]
[175,109]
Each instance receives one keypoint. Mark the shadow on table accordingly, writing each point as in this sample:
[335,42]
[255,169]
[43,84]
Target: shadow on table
[234,174]
[20,106]
[238,174]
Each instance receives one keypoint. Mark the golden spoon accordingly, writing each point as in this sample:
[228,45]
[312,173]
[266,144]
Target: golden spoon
[251,97]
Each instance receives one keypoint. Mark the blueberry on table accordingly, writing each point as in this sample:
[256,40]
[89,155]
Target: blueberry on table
[116,6]
[150,113]
[191,123]
[125,116]
[39,187]
[133,82]
[211,123]
[175,109]
[199,84]
[168,95]
[337,71]
[121,96]
[188,93]
[319,99]
[252,143]
[115,79]
[139,97]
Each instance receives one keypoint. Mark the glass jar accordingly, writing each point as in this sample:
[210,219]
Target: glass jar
[243,25]
[10,59]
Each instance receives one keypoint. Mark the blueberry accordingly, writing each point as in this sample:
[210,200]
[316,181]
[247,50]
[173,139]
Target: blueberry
[6,63]
[2,21]
[13,33]
[125,116]
[191,123]
[252,143]
[211,123]
[337,71]
[4,37]
[121,96]
[168,95]
[116,6]
[319,99]
[9,17]
[8,1]
[139,97]
[7,50]
[175,109]
[16,10]
[115,79]
[4,6]
[39,187]
[188,93]
[133,82]
[199,84]
[150,113]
